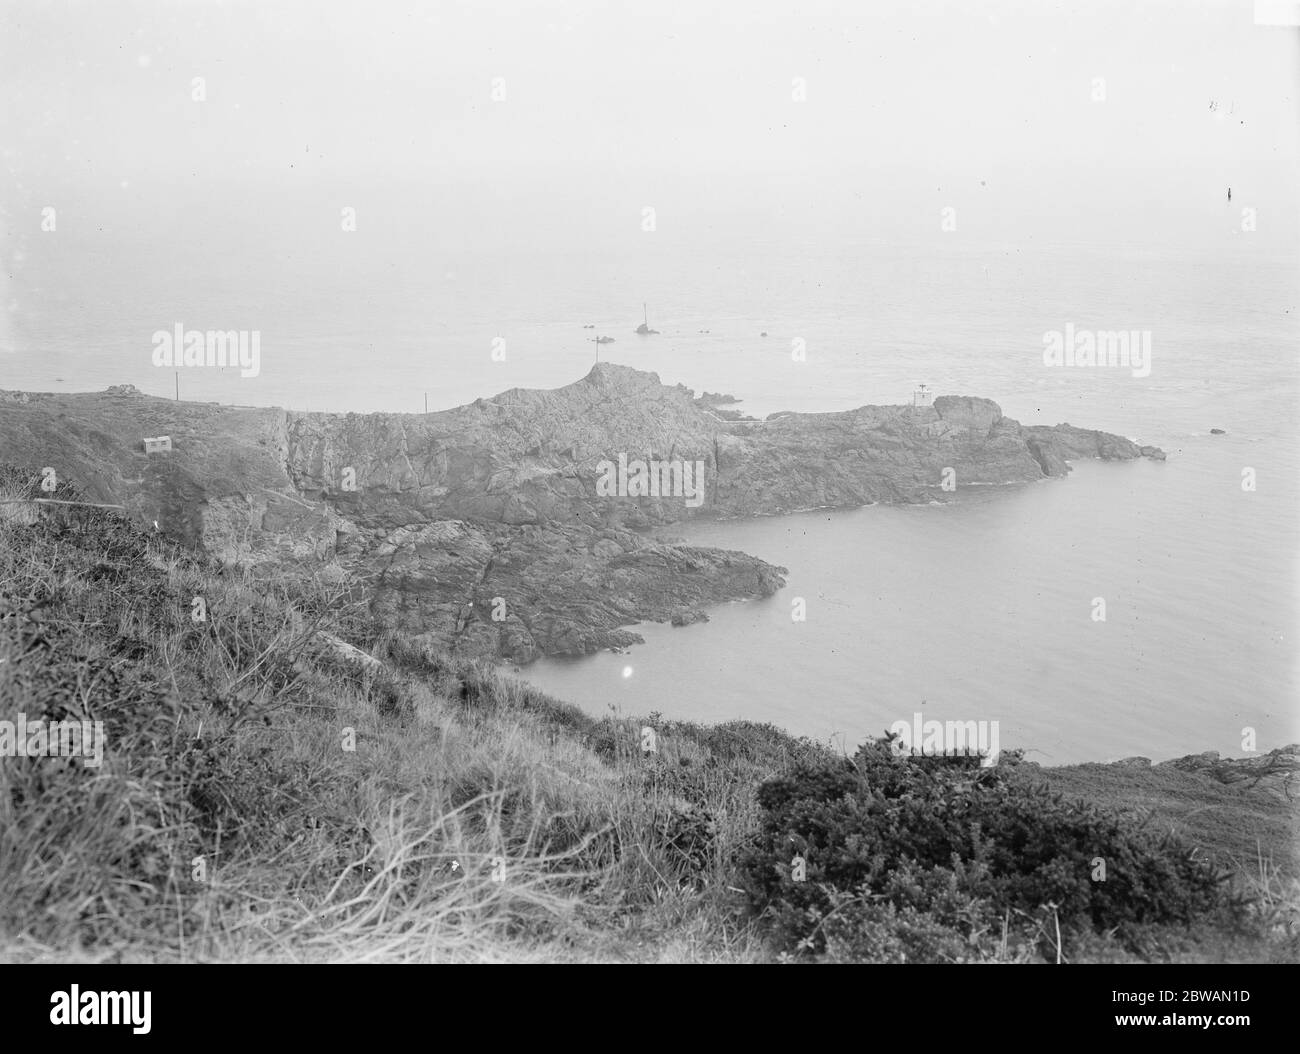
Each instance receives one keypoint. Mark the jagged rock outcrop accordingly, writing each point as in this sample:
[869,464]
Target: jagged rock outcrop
[563,589]
[1277,771]
[490,528]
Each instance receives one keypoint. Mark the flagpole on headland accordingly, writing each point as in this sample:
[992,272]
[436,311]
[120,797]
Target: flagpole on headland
[178,385]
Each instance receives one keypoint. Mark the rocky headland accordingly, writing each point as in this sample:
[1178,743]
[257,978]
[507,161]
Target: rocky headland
[484,528]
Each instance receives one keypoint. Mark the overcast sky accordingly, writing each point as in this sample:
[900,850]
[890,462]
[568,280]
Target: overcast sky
[686,102]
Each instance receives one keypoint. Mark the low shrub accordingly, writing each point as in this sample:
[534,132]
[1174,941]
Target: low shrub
[938,859]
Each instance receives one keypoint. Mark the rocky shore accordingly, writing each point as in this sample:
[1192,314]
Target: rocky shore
[484,528]
[1276,772]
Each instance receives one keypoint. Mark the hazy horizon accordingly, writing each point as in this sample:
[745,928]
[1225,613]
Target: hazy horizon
[903,109]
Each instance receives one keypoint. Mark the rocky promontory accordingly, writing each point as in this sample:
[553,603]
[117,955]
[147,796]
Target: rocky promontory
[495,528]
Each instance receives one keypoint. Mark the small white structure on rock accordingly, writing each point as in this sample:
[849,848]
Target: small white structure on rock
[922,396]
[158,445]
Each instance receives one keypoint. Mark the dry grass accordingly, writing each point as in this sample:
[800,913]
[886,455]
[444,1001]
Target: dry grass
[16,506]
[264,798]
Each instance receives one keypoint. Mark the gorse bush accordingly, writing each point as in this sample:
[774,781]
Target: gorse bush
[935,858]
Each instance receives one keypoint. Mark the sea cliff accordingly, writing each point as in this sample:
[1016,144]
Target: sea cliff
[484,529]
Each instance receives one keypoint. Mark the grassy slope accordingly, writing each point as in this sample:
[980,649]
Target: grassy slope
[1239,828]
[231,821]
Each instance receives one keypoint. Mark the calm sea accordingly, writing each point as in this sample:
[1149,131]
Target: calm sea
[980,609]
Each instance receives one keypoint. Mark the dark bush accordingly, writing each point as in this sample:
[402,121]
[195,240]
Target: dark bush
[918,852]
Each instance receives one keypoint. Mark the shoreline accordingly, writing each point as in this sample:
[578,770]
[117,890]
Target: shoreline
[502,496]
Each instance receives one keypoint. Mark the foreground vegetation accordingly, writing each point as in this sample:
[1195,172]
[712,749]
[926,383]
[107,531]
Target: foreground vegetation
[280,782]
